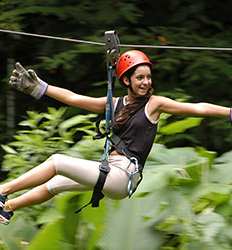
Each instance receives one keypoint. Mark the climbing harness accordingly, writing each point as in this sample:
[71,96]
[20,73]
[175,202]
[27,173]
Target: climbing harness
[112,52]
[120,146]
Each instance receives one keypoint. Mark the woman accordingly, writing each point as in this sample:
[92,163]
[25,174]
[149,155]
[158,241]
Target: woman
[138,110]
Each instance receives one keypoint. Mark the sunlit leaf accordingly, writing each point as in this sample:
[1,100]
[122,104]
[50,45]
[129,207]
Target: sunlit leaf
[180,126]
[8,149]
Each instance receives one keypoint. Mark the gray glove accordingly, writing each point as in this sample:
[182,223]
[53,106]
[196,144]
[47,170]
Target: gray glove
[27,81]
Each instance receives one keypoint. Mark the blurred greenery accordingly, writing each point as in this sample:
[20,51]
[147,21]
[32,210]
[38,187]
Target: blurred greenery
[183,202]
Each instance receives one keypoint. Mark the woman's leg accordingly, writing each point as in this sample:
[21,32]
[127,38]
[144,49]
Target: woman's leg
[81,175]
[34,177]
[35,196]
[44,192]
[86,173]
[77,174]
[59,184]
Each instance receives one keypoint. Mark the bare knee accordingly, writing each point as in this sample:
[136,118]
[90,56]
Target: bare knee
[55,159]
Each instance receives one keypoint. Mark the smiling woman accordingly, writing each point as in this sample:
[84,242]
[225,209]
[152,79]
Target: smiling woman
[141,79]
[134,130]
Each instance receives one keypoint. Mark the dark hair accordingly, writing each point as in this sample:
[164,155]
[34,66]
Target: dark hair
[130,109]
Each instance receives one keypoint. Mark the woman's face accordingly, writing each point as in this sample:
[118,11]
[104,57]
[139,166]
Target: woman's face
[140,81]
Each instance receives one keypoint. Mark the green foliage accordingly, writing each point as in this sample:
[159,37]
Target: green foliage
[181,206]
[172,130]
[61,229]
[183,203]
[44,134]
[17,235]
[180,126]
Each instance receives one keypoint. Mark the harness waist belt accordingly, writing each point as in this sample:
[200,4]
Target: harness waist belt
[121,148]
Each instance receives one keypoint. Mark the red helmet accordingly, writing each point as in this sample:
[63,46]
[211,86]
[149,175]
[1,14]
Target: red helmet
[130,59]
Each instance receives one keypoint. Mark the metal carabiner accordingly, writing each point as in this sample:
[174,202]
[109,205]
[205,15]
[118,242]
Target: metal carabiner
[135,161]
[130,187]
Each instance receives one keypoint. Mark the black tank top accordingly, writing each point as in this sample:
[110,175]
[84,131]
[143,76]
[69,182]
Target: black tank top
[138,133]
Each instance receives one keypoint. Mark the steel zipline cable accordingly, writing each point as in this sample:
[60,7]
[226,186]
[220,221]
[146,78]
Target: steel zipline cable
[50,37]
[121,45]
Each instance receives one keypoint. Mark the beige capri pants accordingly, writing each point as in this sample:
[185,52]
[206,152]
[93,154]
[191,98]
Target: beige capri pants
[74,174]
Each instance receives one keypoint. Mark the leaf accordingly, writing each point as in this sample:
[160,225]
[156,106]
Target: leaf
[61,228]
[9,149]
[180,126]
[225,158]
[221,173]
[211,195]
[51,237]
[210,225]
[17,234]
[127,229]
[74,121]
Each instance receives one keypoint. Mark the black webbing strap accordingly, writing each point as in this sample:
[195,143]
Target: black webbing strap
[97,194]
[112,52]
[121,148]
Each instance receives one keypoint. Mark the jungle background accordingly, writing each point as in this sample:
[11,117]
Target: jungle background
[184,201]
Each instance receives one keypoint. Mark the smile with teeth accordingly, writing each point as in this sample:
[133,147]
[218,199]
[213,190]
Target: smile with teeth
[143,88]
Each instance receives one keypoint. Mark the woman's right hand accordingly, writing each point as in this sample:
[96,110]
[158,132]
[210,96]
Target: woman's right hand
[27,81]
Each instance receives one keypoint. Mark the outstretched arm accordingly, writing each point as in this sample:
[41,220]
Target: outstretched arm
[160,104]
[28,82]
[93,104]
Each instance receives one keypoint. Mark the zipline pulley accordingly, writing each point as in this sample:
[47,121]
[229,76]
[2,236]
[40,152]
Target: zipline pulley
[112,46]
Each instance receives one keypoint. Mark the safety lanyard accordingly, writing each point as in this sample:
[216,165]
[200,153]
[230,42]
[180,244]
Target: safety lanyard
[112,52]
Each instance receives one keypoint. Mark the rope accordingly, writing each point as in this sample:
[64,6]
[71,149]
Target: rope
[175,47]
[51,37]
[120,45]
